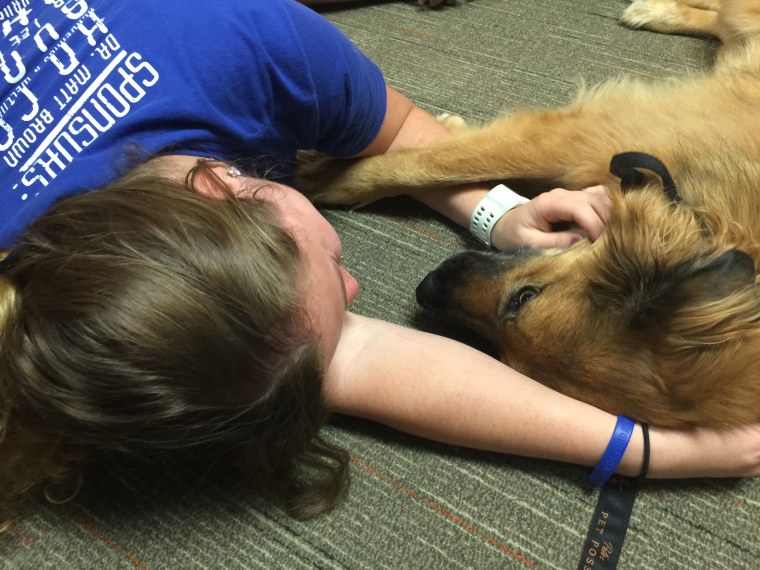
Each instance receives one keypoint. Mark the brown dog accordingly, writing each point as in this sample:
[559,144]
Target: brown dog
[660,317]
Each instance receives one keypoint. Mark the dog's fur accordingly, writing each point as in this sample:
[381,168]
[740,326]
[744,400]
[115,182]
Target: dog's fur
[660,317]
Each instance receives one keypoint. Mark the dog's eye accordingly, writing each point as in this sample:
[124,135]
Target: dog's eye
[526,294]
[519,298]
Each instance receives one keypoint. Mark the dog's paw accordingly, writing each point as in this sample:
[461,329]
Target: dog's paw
[646,13]
[690,17]
[329,181]
[313,173]
[454,123]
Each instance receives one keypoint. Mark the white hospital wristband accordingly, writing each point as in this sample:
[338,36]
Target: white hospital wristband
[490,209]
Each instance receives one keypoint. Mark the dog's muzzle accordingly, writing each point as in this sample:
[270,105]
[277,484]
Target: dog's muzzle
[438,290]
[434,291]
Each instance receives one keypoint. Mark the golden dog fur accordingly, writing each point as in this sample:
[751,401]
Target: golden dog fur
[660,317]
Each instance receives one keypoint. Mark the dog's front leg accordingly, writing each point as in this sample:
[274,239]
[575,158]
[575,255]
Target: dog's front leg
[570,148]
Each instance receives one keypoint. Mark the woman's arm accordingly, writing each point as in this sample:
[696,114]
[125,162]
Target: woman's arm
[349,118]
[408,126]
[440,389]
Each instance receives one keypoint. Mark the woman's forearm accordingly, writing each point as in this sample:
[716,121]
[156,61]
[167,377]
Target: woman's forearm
[408,126]
[440,389]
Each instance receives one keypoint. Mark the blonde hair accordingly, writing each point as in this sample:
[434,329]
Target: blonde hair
[144,318]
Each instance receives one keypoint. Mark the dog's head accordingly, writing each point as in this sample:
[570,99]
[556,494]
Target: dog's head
[658,319]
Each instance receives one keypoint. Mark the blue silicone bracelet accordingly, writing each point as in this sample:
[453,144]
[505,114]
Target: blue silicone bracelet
[614,452]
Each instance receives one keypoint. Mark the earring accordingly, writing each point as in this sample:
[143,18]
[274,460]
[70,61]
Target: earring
[233,172]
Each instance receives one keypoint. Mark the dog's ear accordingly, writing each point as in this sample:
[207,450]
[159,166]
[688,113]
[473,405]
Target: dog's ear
[726,274]
[643,291]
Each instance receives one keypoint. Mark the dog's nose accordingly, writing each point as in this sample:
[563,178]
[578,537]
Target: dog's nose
[431,293]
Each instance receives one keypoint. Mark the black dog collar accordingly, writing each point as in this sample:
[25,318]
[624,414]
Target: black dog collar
[626,164]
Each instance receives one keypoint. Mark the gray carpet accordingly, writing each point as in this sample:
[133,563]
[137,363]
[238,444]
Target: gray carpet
[414,504]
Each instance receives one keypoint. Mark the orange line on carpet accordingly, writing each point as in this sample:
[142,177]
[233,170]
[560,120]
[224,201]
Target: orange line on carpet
[436,38]
[108,541]
[25,538]
[419,230]
[452,517]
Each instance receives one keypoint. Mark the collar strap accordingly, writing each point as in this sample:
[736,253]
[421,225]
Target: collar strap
[626,166]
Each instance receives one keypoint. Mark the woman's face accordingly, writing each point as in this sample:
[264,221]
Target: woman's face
[329,287]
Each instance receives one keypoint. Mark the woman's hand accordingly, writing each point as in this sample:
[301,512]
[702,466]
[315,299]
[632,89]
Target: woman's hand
[531,224]
[704,452]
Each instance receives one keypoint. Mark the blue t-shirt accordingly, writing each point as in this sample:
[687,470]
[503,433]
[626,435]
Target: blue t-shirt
[84,81]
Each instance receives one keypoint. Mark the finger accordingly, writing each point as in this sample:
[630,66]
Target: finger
[597,197]
[600,200]
[551,239]
[588,219]
[589,210]
[595,216]
[598,189]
